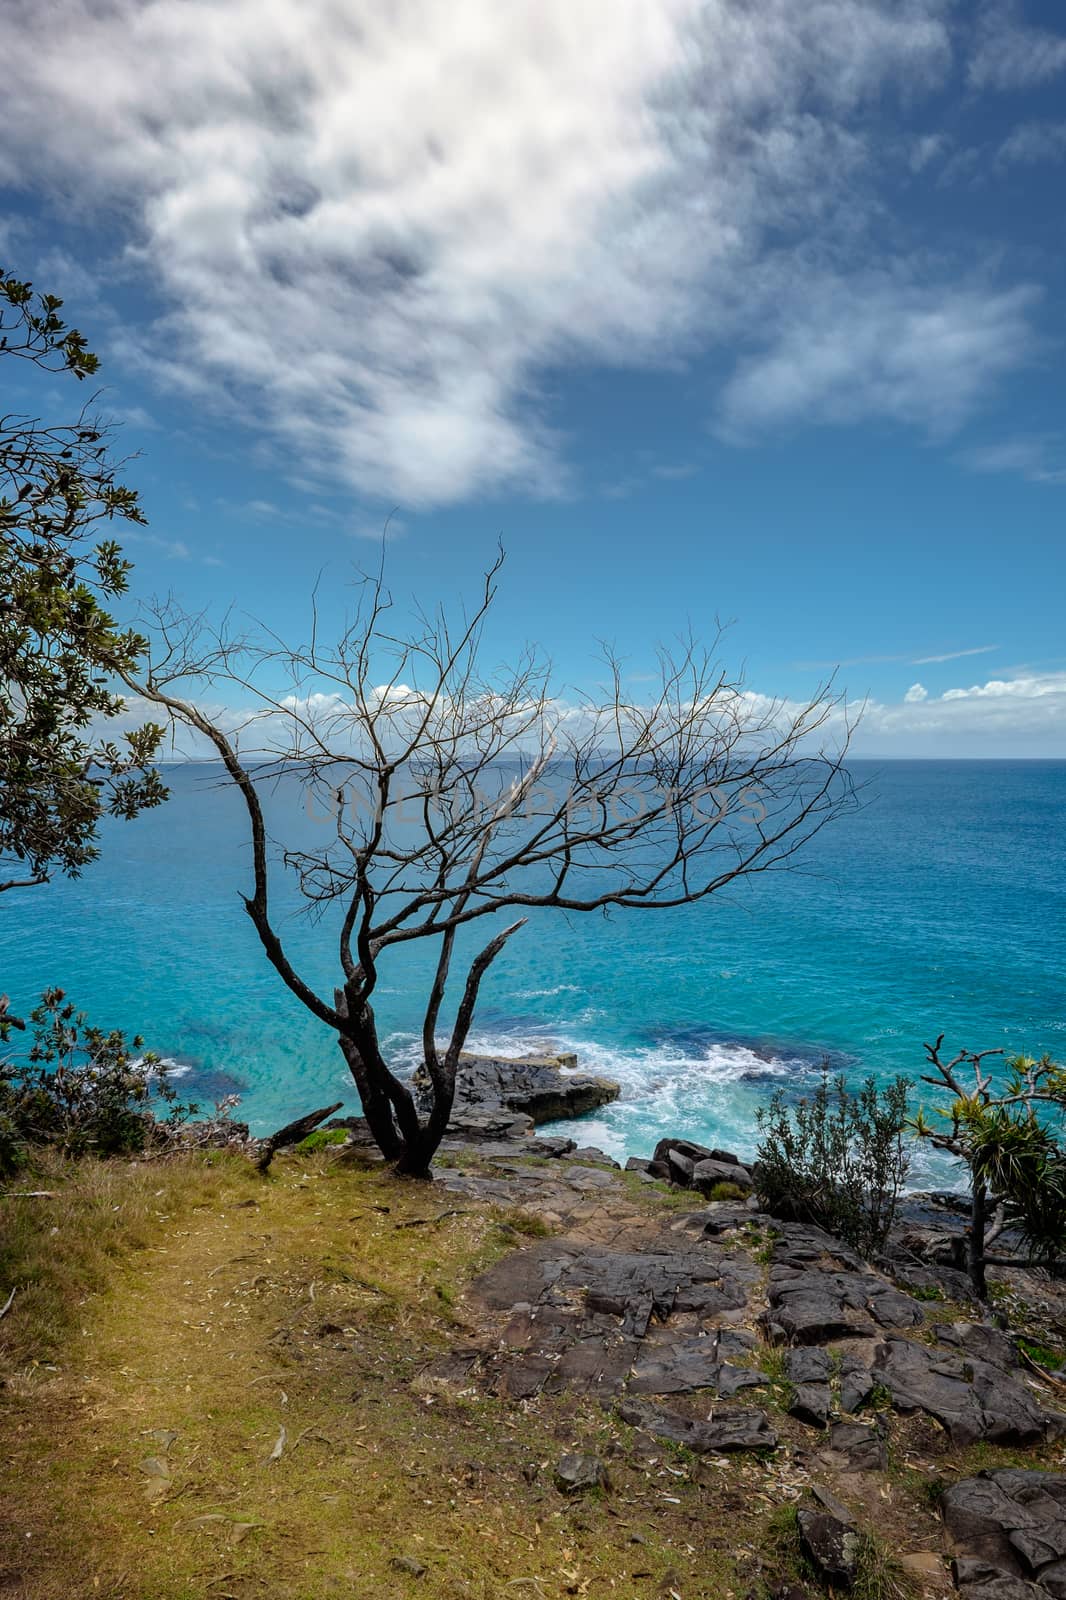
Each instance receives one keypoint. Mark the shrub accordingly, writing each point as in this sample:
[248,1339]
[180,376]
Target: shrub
[836,1159]
[79,1090]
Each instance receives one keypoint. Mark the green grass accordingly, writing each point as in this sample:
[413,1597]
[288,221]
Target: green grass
[879,1575]
[321,1138]
[1042,1354]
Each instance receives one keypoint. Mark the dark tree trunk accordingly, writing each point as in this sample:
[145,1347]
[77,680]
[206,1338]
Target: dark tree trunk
[975,1245]
[418,1153]
[377,1108]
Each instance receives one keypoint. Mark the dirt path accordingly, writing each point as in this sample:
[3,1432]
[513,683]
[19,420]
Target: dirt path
[335,1383]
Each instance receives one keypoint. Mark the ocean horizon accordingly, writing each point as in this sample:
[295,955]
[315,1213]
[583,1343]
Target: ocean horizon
[938,906]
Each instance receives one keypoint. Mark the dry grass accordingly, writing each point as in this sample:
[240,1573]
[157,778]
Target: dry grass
[213,1390]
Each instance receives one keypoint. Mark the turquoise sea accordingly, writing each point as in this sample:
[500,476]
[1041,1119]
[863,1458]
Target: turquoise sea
[938,906]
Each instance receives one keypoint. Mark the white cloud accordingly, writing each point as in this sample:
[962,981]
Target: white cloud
[881,347]
[375,225]
[173,549]
[930,147]
[1024,715]
[1009,53]
[915,695]
[1011,688]
[1040,457]
[955,655]
[1033,142]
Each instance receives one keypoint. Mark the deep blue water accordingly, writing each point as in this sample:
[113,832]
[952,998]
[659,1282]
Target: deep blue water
[939,906]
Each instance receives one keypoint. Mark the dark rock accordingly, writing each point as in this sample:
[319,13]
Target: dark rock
[976,1582]
[856,1384]
[637,1164]
[409,1564]
[817,1304]
[685,1365]
[581,1177]
[970,1398]
[576,1474]
[685,1147]
[677,1369]
[1053,1579]
[551,1146]
[534,1086]
[979,1339]
[681,1167]
[590,1153]
[593,1366]
[831,1546]
[829,1502]
[1007,1529]
[858,1446]
[676,1161]
[728,1431]
[810,1403]
[808,1366]
[707,1174]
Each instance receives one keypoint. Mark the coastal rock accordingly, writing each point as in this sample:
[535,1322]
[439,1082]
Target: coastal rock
[537,1087]
[807,1370]
[814,1305]
[831,1546]
[577,1474]
[706,1175]
[855,1447]
[728,1431]
[972,1399]
[1008,1534]
[695,1166]
[856,1384]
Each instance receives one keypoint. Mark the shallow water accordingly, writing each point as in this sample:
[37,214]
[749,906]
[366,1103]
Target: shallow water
[940,906]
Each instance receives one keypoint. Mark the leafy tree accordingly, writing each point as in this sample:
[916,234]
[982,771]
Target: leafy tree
[59,644]
[79,1089]
[836,1159]
[1005,1134]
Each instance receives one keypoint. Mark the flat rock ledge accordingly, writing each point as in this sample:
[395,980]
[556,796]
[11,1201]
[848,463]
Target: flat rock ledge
[728,1333]
[1008,1535]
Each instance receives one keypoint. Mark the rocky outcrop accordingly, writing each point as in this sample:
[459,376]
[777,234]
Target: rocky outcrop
[1008,1535]
[971,1398]
[540,1088]
[694,1166]
[724,1433]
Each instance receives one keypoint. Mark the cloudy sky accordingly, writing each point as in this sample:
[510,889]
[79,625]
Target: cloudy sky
[703,306]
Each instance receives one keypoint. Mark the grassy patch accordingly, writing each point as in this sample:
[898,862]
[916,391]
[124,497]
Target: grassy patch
[879,1575]
[239,1405]
[1042,1354]
[926,1291]
[57,1249]
[321,1138]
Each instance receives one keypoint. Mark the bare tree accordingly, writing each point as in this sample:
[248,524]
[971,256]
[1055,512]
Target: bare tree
[458,795]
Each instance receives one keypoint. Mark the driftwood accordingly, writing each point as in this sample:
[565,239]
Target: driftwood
[293,1132]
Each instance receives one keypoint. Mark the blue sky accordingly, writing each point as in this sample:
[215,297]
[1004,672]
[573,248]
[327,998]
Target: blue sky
[702,307]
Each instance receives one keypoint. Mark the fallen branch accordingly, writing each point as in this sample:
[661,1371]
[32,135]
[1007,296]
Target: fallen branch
[423,1222]
[1042,1372]
[27,1194]
[6,1307]
[293,1132]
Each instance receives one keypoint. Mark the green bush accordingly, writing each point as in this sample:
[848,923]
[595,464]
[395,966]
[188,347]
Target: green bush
[837,1159]
[78,1089]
